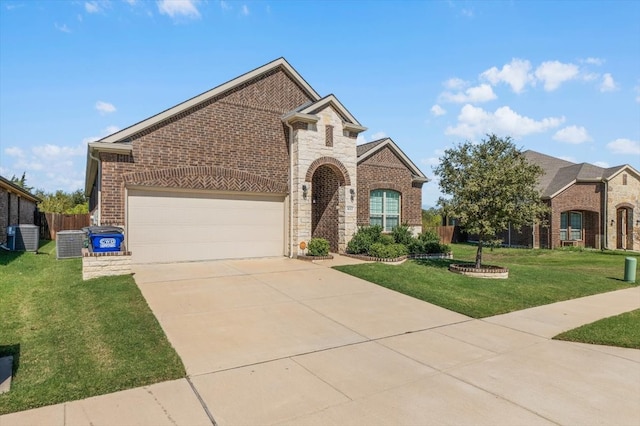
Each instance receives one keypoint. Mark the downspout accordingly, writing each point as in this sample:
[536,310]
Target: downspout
[98,186]
[605,230]
[290,127]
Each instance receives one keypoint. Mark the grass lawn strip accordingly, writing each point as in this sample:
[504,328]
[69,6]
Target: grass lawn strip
[536,277]
[621,330]
[72,339]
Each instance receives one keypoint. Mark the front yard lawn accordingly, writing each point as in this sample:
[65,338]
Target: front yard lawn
[71,339]
[536,277]
[621,330]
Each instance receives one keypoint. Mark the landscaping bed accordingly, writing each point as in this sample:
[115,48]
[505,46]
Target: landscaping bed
[72,339]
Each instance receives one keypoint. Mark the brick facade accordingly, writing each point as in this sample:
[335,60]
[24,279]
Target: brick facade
[253,138]
[384,170]
[14,210]
[240,131]
[587,198]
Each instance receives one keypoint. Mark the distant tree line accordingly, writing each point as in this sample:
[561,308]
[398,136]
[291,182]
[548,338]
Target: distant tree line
[56,202]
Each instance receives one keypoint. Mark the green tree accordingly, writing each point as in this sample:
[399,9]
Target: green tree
[22,182]
[487,186]
[431,217]
[63,202]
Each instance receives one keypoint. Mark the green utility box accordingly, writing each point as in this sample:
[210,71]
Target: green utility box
[630,264]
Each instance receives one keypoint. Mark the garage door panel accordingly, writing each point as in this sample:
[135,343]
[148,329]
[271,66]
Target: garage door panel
[177,226]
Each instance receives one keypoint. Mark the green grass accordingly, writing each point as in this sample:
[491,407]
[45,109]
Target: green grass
[622,330]
[536,277]
[72,339]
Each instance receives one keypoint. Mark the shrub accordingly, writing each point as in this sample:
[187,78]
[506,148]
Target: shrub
[429,235]
[386,239]
[402,235]
[387,251]
[364,238]
[318,247]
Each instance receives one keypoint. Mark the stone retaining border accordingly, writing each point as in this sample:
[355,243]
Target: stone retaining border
[104,264]
[312,258]
[487,271]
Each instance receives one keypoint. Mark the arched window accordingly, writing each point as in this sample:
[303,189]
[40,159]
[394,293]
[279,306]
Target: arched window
[384,208]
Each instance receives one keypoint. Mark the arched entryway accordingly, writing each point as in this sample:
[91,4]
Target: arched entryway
[624,227]
[325,217]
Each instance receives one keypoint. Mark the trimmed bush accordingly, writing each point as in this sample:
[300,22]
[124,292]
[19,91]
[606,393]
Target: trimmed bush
[402,235]
[364,238]
[387,251]
[427,242]
[386,239]
[318,247]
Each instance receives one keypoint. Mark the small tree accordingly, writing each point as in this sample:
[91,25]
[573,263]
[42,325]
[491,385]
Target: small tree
[489,185]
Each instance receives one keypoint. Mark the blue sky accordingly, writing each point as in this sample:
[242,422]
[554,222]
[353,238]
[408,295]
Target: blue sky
[561,78]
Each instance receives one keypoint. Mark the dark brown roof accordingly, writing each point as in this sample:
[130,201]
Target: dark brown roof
[12,187]
[558,173]
[366,147]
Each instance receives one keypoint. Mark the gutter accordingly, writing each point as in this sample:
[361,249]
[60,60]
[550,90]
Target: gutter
[290,127]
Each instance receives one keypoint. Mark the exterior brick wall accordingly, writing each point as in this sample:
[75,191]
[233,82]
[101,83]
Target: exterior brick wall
[384,170]
[9,212]
[324,216]
[585,197]
[241,131]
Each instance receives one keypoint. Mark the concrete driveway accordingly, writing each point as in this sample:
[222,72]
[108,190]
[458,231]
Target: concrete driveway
[280,341]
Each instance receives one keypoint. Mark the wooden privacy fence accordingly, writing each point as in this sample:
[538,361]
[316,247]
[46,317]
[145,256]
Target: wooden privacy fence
[444,232]
[52,223]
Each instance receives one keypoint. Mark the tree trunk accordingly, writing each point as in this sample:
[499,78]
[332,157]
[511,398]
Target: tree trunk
[479,254]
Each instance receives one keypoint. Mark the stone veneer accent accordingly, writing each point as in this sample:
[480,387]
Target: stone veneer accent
[95,265]
[619,195]
[310,154]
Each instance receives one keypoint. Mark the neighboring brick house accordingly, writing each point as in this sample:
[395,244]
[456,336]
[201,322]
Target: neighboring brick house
[17,206]
[250,168]
[590,206]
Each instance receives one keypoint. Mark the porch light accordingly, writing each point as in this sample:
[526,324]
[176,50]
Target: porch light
[304,191]
[353,194]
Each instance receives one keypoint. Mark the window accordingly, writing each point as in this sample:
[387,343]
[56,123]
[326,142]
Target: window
[384,209]
[570,226]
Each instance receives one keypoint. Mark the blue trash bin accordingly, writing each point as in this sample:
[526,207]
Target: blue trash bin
[105,238]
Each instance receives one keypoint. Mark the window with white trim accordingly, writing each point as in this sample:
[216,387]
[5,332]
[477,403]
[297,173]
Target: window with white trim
[570,226]
[384,208]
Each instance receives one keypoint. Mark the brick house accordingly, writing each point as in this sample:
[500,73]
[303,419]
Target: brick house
[250,168]
[17,206]
[590,206]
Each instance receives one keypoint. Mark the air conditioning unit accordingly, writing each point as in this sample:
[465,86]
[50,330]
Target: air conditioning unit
[69,244]
[23,237]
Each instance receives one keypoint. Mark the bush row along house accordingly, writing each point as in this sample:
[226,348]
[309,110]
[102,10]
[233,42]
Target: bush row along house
[590,206]
[250,168]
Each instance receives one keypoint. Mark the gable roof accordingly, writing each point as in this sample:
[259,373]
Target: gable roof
[366,150]
[560,174]
[9,186]
[216,91]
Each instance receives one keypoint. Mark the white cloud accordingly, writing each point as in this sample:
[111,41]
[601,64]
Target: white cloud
[624,146]
[554,73]
[63,28]
[92,7]
[111,129]
[437,110]
[608,83]
[175,8]
[593,61]
[105,107]
[482,93]
[467,12]
[14,151]
[572,134]
[455,84]
[131,2]
[245,10]
[637,90]
[378,135]
[224,5]
[516,74]
[602,164]
[474,121]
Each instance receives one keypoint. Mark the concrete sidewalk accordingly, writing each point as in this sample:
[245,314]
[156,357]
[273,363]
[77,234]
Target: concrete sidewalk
[279,341]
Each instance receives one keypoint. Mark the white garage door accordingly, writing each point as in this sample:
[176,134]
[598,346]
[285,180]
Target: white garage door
[182,226]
